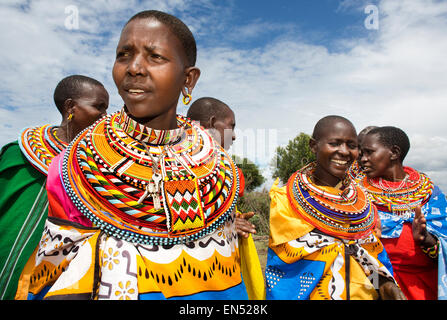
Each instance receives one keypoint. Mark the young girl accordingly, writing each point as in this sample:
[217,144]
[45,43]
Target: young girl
[322,244]
[142,203]
[413,213]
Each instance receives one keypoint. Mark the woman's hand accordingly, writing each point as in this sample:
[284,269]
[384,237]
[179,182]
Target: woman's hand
[420,234]
[390,291]
[243,226]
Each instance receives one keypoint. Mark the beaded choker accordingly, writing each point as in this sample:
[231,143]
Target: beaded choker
[111,177]
[347,214]
[40,145]
[400,197]
[148,135]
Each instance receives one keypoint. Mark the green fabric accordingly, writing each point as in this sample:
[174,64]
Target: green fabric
[23,209]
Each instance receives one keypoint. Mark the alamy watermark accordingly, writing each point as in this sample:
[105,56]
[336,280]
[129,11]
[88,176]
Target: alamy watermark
[372,20]
[72,20]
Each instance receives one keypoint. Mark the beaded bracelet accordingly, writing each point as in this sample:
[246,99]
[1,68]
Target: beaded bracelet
[432,252]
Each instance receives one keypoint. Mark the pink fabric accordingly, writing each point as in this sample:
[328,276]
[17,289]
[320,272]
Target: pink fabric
[60,205]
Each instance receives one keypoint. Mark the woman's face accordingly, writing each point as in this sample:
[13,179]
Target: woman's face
[224,130]
[150,69]
[375,158]
[90,107]
[335,151]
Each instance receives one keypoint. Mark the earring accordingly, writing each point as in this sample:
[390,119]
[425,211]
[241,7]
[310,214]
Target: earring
[186,99]
[70,116]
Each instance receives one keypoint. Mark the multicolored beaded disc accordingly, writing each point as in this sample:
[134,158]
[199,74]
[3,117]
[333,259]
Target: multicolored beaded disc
[347,214]
[107,169]
[40,145]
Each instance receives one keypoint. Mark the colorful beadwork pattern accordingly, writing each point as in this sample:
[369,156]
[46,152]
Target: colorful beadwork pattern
[106,170]
[40,145]
[347,214]
[416,191]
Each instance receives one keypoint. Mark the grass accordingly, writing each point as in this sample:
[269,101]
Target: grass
[261,243]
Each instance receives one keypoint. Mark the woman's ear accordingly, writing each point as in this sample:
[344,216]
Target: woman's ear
[313,145]
[395,153]
[69,106]
[192,76]
[212,122]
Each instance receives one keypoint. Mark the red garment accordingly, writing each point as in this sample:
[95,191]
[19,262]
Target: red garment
[414,271]
[241,182]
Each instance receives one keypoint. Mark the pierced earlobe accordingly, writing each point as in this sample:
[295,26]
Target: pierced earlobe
[186,98]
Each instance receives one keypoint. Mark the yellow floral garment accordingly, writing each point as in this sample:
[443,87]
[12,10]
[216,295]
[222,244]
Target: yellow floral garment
[75,262]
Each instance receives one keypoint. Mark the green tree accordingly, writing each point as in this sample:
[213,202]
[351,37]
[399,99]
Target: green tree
[291,158]
[252,175]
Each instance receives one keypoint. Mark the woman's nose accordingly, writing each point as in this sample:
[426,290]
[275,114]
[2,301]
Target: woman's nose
[136,66]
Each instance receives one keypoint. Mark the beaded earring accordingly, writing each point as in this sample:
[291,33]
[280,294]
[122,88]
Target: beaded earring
[186,99]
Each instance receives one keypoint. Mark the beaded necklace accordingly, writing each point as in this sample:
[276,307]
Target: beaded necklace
[346,214]
[355,171]
[40,145]
[111,177]
[401,197]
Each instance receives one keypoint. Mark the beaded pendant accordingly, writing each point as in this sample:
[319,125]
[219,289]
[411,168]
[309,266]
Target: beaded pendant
[347,214]
[400,198]
[108,172]
[40,145]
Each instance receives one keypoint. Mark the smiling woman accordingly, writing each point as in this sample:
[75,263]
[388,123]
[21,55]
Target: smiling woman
[322,242]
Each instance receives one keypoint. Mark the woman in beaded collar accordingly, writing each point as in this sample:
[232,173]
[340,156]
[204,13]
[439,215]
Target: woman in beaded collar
[322,244]
[147,197]
[412,211]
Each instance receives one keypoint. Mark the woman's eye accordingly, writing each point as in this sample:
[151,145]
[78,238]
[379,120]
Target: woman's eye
[122,54]
[156,57]
[333,144]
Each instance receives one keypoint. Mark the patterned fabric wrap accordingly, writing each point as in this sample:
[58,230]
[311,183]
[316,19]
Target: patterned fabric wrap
[199,188]
[435,212]
[305,263]
[40,145]
[320,267]
[76,262]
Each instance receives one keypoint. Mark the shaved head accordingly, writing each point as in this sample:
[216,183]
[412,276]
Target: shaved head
[327,122]
[205,108]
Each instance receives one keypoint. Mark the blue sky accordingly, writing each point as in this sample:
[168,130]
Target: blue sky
[281,65]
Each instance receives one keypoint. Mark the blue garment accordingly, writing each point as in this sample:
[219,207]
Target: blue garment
[435,211]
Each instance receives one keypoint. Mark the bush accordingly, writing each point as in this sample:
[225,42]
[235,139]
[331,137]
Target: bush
[259,203]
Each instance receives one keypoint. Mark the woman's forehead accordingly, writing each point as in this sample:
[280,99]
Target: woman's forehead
[148,29]
[338,130]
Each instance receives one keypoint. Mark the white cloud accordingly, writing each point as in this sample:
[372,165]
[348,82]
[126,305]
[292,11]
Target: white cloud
[392,76]
[396,76]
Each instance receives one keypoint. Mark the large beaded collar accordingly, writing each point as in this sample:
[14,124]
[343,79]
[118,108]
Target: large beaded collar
[347,214]
[402,197]
[40,145]
[150,186]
